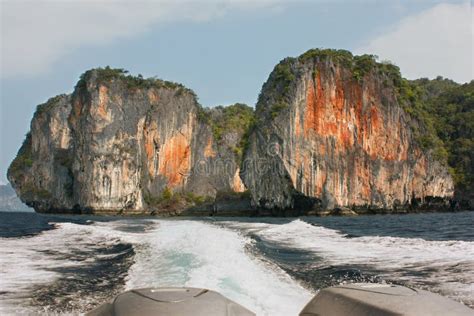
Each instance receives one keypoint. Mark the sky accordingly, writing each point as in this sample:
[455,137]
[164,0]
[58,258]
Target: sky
[223,50]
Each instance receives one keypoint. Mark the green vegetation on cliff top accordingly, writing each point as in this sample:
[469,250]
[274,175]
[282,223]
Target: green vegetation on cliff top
[48,105]
[108,74]
[284,74]
[360,65]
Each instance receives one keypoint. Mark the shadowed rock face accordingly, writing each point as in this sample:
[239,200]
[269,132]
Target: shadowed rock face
[326,136]
[341,140]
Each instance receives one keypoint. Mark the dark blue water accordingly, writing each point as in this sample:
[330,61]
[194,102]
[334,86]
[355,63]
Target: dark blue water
[92,268]
[431,251]
[21,224]
[428,226]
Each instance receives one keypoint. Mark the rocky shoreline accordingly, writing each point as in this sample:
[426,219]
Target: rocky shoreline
[252,213]
[243,208]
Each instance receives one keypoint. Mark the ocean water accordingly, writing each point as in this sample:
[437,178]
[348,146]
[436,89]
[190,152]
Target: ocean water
[273,266]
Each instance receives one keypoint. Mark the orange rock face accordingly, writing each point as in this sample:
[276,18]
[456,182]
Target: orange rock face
[103,99]
[168,151]
[346,142]
[237,184]
[175,160]
[361,145]
[330,114]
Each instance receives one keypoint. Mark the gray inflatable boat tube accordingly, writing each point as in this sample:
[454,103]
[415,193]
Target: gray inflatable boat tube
[363,299]
[170,302]
[359,299]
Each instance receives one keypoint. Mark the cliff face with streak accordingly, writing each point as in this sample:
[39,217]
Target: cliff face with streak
[118,144]
[335,135]
[329,132]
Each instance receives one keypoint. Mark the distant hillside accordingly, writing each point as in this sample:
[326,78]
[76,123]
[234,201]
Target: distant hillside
[447,109]
[9,201]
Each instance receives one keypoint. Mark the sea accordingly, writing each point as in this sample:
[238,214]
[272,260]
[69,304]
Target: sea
[58,264]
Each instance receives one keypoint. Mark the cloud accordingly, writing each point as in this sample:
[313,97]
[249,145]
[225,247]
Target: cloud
[438,41]
[36,34]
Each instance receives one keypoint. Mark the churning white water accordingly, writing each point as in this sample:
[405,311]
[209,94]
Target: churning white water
[74,267]
[446,267]
[167,253]
[197,254]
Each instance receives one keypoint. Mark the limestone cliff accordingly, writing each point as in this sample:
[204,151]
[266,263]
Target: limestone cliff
[332,133]
[122,144]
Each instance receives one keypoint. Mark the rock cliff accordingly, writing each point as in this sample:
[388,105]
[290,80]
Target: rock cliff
[123,144]
[330,131]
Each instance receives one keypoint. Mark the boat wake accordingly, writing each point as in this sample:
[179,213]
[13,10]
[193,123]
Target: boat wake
[69,269]
[271,268]
[76,267]
[445,267]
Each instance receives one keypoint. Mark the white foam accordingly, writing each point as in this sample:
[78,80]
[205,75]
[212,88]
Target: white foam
[29,261]
[173,253]
[197,254]
[200,254]
[435,260]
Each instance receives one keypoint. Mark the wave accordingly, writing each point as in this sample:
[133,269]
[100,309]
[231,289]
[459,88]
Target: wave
[75,267]
[446,267]
[197,254]
[165,253]
[69,269]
